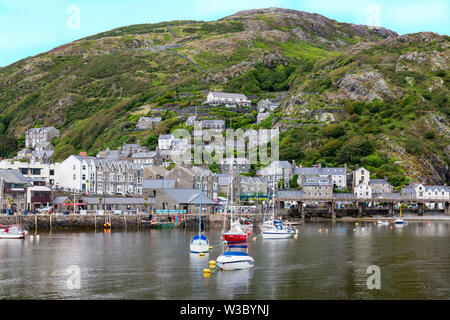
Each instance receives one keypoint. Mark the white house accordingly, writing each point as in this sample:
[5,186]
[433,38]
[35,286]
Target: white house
[423,192]
[100,176]
[359,176]
[45,171]
[338,175]
[363,191]
[227,99]
[165,141]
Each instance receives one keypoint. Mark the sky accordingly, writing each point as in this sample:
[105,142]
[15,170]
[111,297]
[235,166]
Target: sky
[29,27]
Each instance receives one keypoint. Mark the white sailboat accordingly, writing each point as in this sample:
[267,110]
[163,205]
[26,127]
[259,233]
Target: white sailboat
[235,234]
[272,228]
[400,221]
[200,244]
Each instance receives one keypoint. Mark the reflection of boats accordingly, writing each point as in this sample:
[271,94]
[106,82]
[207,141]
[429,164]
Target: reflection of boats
[200,244]
[12,232]
[235,259]
[166,224]
[382,223]
[234,284]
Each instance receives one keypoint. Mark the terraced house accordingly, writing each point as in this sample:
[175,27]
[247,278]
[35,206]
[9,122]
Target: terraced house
[100,176]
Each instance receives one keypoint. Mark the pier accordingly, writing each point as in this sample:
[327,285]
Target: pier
[359,204]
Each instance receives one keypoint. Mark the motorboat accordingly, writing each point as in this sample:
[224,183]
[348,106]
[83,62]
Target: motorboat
[12,232]
[235,258]
[235,234]
[382,223]
[274,229]
[199,244]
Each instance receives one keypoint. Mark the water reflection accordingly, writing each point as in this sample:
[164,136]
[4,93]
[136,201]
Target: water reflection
[151,264]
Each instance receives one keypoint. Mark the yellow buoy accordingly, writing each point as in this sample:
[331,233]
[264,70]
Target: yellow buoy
[356,223]
[206,270]
[254,238]
[201,254]
[210,248]
[320,230]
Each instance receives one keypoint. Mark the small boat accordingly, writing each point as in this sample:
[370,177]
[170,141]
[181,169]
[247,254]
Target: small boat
[199,244]
[382,223]
[235,259]
[400,221]
[235,234]
[166,225]
[12,232]
[246,224]
[274,229]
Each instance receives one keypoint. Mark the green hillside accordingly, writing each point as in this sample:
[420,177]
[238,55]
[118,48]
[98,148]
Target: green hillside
[350,94]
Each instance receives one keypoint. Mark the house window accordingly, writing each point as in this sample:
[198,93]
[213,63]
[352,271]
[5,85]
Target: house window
[74,177]
[83,177]
[52,172]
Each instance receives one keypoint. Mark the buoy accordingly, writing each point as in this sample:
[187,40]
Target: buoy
[31,237]
[295,236]
[248,233]
[206,270]
[212,264]
[326,230]
[356,223]
[201,254]
[374,223]
[320,230]
[354,229]
[210,247]
[254,238]
[362,228]
[37,237]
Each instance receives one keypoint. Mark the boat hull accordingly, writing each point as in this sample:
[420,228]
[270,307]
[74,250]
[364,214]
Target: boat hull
[199,247]
[234,238]
[276,235]
[229,263]
[13,236]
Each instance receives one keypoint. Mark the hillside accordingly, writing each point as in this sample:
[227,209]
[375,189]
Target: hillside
[349,93]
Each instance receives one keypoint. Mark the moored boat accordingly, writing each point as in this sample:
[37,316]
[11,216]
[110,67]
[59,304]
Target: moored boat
[235,234]
[235,259]
[12,232]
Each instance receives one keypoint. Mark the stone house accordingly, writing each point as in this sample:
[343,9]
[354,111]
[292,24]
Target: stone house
[35,136]
[227,99]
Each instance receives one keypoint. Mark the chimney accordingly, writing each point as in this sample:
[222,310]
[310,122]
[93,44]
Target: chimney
[83,154]
[320,165]
[345,167]
[293,164]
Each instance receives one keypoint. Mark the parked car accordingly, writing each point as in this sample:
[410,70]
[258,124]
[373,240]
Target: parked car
[44,209]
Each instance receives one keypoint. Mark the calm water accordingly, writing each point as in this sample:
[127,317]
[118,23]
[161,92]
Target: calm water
[414,261]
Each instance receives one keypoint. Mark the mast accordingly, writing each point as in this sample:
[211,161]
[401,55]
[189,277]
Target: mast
[200,217]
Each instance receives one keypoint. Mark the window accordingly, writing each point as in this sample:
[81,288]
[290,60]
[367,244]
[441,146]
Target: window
[83,177]
[52,172]
[74,177]
[83,167]
[36,171]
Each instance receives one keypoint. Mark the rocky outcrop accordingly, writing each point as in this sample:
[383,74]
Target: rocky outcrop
[365,86]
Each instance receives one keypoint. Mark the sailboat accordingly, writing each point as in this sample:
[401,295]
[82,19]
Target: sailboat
[272,228]
[235,234]
[200,244]
[400,220]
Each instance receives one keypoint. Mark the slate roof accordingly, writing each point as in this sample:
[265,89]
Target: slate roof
[189,196]
[12,176]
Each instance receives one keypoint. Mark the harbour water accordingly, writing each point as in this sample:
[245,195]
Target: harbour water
[326,261]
